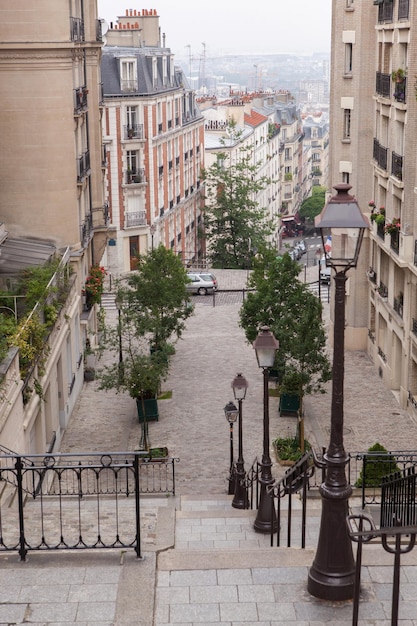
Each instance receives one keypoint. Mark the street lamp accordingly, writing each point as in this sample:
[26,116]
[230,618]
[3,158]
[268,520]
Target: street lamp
[118,303]
[331,576]
[231,413]
[152,230]
[266,346]
[240,499]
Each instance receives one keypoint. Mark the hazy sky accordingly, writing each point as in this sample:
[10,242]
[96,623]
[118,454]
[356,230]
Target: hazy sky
[224,26]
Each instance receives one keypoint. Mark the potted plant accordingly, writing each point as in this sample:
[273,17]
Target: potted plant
[393,228]
[398,75]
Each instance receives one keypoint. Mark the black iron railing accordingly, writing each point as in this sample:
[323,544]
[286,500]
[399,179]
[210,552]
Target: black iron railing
[295,481]
[383,84]
[380,154]
[403,9]
[398,499]
[73,502]
[397,165]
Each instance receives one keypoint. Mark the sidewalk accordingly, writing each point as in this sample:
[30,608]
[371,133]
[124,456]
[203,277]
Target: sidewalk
[203,562]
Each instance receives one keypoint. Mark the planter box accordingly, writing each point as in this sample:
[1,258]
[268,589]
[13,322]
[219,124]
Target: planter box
[289,405]
[151,409]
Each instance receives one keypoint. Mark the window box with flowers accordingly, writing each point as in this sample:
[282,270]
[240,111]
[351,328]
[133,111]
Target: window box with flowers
[94,283]
[393,228]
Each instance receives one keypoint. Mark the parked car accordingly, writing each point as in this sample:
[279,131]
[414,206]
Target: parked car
[325,272]
[201,283]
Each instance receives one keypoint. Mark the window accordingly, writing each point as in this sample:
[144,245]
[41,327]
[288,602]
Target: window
[346,123]
[131,116]
[132,160]
[345,177]
[348,58]
[128,75]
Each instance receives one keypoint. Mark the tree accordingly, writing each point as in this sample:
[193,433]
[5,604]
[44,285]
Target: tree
[155,297]
[293,313]
[153,305]
[235,224]
[314,204]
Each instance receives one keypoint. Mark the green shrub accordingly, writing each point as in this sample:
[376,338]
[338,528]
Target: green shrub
[288,449]
[378,463]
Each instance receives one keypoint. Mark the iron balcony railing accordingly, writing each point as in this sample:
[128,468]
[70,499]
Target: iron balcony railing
[133,131]
[414,326]
[135,218]
[395,242]
[386,11]
[397,165]
[403,9]
[400,90]
[399,306]
[80,99]
[77,29]
[83,166]
[86,229]
[380,154]
[77,501]
[383,85]
[135,176]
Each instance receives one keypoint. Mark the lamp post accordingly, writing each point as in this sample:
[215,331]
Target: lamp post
[331,576]
[266,346]
[231,413]
[152,230]
[240,499]
[118,303]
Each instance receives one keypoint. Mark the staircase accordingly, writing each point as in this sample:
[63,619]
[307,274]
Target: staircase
[108,301]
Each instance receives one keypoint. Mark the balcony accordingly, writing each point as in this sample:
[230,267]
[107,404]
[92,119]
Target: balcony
[83,166]
[135,176]
[86,230]
[380,154]
[135,218]
[400,90]
[399,305]
[80,99]
[395,242]
[385,11]
[129,85]
[383,85]
[383,291]
[133,131]
[397,166]
[403,9]
[77,29]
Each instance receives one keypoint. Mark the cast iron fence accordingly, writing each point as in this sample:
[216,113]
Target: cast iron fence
[398,499]
[76,501]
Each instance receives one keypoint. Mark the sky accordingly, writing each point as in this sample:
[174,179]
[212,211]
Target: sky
[235,26]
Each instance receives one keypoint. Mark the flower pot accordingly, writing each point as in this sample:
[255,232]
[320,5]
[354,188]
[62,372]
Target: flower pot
[289,404]
[151,409]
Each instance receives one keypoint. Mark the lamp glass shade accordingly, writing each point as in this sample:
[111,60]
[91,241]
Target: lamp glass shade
[231,412]
[239,386]
[342,226]
[265,346]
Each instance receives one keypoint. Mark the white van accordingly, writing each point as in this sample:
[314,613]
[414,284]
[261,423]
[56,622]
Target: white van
[325,272]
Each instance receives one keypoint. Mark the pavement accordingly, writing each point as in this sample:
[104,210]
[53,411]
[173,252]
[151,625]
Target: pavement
[203,563]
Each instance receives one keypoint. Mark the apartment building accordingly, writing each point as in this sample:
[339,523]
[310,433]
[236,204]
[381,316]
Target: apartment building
[316,139]
[52,182]
[154,142]
[270,124]
[373,148]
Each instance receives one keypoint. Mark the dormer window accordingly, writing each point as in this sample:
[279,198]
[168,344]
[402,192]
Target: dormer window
[155,72]
[128,75]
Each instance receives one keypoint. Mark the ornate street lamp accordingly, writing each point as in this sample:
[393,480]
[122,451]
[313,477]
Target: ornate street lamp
[152,230]
[266,346]
[231,413]
[331,576]
[119,305]
[240,499]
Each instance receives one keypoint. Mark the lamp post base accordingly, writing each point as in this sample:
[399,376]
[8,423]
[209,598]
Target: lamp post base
[266,519]
[240,498]
[332,574]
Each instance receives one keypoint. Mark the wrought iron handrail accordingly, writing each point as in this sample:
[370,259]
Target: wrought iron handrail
[295,479]
[252,484]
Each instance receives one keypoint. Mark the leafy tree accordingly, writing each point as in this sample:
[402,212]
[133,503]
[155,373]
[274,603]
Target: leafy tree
[234,222]
[314,204]
[293,313]
[155,297]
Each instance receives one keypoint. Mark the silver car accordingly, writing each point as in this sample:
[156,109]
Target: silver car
[201,283]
